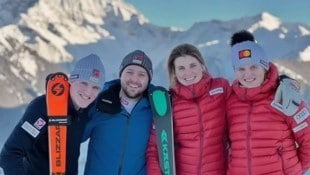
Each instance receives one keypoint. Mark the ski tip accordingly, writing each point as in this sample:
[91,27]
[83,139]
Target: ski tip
[156,88]
[52,76]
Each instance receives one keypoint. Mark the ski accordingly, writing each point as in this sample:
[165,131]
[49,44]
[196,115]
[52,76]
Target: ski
[57,92]
[162,115]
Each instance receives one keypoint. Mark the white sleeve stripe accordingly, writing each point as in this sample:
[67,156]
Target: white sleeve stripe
[300,127]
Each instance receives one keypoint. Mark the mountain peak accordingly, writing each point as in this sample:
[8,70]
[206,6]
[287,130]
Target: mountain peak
[128,11]
[269,17]
[267,21]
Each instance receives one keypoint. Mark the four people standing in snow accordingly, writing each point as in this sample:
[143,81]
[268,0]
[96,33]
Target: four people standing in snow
[259,125]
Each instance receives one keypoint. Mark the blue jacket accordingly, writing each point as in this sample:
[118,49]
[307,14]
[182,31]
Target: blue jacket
[26,152]
[118,140]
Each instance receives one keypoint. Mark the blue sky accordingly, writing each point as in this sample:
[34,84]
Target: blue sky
[184,13]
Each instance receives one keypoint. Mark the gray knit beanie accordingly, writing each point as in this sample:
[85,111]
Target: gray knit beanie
[89,69]
[248,53]
[139,58]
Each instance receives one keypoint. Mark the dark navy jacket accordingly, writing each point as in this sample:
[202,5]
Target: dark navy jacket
[118,140]
[26,150]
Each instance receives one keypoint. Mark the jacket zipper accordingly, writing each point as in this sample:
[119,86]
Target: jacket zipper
[124,146]
[201,130]
[128,117]
[249,139]
[280,152]
[79,113]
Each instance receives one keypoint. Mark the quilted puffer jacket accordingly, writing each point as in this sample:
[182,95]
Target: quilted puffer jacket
[199,128]
[263,140]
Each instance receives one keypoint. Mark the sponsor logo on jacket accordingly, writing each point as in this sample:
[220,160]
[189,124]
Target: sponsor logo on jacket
[215,91]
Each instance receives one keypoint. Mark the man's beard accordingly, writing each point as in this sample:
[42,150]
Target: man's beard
[136,96]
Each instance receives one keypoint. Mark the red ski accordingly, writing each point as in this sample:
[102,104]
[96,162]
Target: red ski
[57,92]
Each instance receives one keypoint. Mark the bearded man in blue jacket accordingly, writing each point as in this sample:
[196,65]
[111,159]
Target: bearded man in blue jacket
[121,121]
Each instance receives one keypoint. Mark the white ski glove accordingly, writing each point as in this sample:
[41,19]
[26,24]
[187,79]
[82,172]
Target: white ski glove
[288,97]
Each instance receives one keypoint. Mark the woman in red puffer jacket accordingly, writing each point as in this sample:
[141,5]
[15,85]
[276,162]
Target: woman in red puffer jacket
[263,139]
[198,102]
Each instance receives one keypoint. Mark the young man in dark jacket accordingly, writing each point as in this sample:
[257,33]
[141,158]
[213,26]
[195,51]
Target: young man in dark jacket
[26,151]
[121,122]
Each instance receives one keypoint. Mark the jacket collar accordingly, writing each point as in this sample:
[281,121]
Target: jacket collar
[266,89]
[192,91]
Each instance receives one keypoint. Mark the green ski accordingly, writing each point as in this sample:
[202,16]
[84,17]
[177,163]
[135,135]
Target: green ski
[162,115]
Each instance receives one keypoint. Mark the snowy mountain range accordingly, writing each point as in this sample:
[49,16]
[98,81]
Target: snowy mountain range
[38,37]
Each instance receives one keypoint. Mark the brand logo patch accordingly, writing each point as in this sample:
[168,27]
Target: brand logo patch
[39,123]
[216,91]
[94,79]
[263,62]
[295,85]
[96,73]
[301,115]
[74,76]
[58,89]
[245,54]
[165,151]
[30,129]
[138,59]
